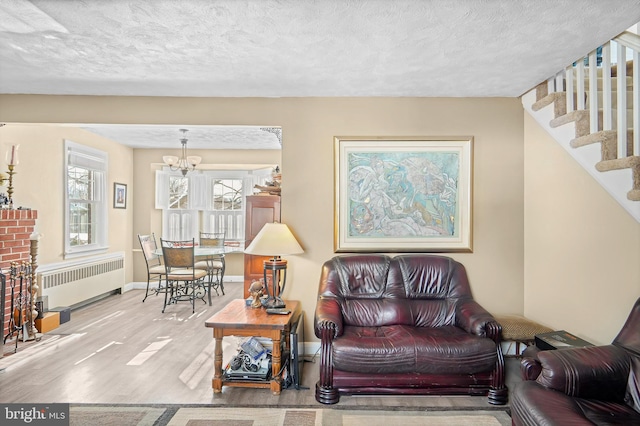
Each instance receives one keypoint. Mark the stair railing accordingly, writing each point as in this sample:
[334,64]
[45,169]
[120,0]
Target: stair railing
[581,95]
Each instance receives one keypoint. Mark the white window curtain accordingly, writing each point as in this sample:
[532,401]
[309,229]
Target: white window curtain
[197,191]
[180,225]
[162,189]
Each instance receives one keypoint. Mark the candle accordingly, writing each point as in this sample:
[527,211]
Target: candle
[12,155]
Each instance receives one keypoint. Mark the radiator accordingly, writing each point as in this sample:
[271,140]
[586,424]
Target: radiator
[76,283]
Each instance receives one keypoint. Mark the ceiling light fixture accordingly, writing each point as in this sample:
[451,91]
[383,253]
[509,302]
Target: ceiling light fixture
[185,163]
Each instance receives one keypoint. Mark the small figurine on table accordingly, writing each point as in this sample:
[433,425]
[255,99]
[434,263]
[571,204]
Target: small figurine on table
[256,290]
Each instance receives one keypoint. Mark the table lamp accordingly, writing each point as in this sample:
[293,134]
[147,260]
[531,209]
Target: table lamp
[274,239]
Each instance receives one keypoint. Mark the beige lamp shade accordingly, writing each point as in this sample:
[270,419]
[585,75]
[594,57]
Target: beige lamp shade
[274,239]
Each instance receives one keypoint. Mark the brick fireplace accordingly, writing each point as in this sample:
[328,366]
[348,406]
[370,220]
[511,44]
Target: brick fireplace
[16,227]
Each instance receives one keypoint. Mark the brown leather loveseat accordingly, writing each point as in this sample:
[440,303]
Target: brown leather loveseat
[404,325]
[593,385]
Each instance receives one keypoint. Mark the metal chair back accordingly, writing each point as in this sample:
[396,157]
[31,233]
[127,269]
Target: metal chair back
[149,248]
[155,268]
[184,281]
[178,254]
[215,264]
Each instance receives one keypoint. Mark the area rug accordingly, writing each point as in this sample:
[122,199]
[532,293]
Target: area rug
[81,415]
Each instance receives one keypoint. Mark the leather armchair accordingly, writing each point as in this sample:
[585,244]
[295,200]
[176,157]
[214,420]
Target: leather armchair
[404,325]
[582,386]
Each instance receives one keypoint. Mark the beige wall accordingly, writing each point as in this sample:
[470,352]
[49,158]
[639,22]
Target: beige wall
[582,272]
[496,266]
[39,183]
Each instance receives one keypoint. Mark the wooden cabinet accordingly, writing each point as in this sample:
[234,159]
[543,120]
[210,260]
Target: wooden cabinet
[261,209]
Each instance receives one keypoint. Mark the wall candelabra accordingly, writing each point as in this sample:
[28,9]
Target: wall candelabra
[12,162]
[11,172]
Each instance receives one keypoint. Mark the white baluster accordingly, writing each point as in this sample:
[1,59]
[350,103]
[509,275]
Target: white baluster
[607,123]
[559,83]
[636,103]
[593,93]
[580,84]
[570,88]
[622,101]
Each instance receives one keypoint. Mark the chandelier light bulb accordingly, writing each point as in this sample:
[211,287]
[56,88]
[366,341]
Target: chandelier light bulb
[194,160]
[170,160]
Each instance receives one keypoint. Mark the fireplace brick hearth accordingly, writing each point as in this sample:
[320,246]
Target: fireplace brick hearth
[16,227]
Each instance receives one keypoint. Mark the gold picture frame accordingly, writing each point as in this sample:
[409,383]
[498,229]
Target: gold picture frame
[403,194]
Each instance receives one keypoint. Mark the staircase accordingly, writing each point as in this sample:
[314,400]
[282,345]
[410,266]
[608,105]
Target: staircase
[598,124]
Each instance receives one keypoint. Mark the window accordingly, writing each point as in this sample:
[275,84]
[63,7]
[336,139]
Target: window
[225,212]
[227,194]
[178,192]
[85,200]
[179,216]
[208,201]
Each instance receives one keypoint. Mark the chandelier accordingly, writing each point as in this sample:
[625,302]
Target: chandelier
[185,163]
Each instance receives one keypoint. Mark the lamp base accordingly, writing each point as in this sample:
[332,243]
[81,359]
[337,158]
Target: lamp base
[278,269]
[274,302]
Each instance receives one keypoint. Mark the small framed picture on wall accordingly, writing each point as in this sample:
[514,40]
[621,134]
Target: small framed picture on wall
[119,195]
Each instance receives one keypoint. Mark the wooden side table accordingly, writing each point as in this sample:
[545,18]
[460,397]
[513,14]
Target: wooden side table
[238,319]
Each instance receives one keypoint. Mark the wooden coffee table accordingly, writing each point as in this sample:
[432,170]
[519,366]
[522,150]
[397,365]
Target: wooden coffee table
[238,319]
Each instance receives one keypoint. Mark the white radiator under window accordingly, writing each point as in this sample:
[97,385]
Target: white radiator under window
[69,284]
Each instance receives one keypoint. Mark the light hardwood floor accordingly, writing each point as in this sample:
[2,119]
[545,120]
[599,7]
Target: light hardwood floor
[120,350]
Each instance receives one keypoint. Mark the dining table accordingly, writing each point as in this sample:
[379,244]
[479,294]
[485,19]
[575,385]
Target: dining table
[210,253]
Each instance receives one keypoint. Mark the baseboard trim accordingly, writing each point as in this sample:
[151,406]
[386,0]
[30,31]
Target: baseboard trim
[311,350]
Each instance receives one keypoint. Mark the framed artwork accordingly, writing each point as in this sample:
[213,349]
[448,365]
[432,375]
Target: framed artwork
[403,194]
[119,196]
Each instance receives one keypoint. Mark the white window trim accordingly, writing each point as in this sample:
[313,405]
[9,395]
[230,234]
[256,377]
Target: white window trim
[199,190]
[102,159]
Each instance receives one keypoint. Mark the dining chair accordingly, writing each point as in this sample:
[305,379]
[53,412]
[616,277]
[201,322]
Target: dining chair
[183,281]
[214,264]
[155,268]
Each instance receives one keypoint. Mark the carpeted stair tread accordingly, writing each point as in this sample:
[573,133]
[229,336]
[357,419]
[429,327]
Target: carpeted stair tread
[608,140]
[603,136]
[614,82]
[634,195]
[548,100]
[618,164]
[570,117]
[579,118]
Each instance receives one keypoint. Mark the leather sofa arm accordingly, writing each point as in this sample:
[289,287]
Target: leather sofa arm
[530,368]
[476,320]
[598,372]
[328,316]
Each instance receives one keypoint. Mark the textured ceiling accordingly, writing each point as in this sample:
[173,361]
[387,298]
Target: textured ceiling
[198,137]
[290,48]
